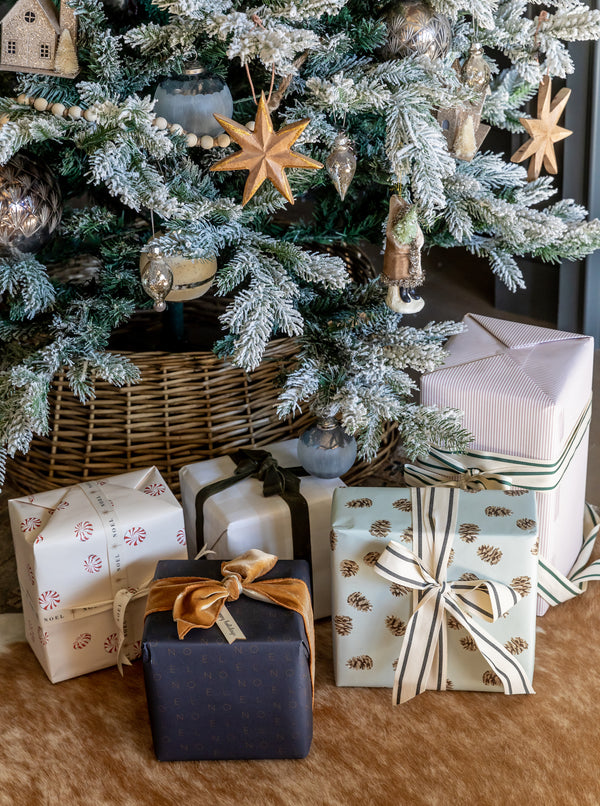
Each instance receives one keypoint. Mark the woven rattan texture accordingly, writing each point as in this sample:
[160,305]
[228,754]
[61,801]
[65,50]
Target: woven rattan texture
[188,407]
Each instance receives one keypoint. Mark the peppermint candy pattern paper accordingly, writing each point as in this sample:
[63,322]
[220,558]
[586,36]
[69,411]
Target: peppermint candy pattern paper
[370,613]
[75,548]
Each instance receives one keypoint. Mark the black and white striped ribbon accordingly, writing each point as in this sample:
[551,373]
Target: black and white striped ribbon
[423,656]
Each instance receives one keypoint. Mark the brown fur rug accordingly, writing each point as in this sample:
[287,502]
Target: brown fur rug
[87,741]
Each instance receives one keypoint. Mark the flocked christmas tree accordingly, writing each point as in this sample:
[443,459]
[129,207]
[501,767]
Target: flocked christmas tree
[398,100]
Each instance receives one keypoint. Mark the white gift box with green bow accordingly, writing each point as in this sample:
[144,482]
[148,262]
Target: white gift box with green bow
[434,588]
[525,394]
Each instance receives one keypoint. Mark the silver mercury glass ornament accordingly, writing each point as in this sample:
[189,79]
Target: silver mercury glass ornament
[415,29]
[475,72]
[341,164]
[325,449]
[30,204]
[157,278]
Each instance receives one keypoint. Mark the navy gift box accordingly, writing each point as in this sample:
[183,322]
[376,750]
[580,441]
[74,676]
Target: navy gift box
[208,699]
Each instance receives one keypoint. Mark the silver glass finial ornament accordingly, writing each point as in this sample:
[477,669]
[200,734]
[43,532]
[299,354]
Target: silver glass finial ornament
[475,72]
[325,449]
[192,99]
[157,278]
[341,164]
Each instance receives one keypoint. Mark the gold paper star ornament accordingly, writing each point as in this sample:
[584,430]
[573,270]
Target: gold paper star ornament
[544,131]
[265,153]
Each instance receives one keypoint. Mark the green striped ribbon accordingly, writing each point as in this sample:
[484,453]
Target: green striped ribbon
[476,470]
[553,586]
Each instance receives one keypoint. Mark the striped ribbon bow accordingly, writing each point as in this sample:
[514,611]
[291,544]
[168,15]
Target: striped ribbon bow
[423,656]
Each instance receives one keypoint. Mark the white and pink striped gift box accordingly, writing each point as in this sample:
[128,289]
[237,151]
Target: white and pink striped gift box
[523,390]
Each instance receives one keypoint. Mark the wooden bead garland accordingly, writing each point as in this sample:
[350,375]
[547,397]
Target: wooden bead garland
[77,113]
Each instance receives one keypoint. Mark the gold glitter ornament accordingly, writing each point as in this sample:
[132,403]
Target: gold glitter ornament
[414,28]
[341,164]
[264,153]
[35,39]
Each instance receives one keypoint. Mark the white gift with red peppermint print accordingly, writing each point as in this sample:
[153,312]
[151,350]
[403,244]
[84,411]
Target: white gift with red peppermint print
[75,548]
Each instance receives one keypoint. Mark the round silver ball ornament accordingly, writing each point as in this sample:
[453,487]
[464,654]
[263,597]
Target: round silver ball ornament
[414,28]
[30,204]
[192,99]
[325,449]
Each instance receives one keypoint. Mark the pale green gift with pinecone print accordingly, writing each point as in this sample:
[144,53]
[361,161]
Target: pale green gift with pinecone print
[434,588]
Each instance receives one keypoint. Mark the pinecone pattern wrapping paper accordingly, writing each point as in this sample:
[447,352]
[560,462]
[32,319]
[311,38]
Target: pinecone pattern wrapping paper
[378,631]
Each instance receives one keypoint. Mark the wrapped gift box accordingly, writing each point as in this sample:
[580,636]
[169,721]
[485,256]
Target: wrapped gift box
[523,390]
[209,699]
[76,549]
[241,517]
[493,538]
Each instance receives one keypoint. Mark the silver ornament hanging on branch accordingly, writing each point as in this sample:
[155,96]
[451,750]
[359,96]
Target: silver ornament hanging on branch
[156,277]
[402,271]
[341,164]
[415,29]
[30,204]
[175,278]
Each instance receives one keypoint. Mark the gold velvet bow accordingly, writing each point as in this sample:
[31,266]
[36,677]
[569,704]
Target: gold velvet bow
[197,601]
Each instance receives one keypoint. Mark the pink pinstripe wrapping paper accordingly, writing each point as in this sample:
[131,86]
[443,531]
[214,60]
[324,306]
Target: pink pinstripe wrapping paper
[522,390]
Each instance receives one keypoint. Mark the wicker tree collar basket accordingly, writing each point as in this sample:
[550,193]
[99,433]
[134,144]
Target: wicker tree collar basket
[187,407]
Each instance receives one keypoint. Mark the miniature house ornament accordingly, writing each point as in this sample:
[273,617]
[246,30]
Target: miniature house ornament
[35,39]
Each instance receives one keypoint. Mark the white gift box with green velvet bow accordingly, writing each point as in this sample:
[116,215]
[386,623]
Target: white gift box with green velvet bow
[490,552]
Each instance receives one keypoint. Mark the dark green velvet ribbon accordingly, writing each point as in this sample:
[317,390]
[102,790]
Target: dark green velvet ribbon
[277,480]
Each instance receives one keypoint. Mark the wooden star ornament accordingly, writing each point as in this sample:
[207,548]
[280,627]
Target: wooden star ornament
[265,153]
[544,131]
